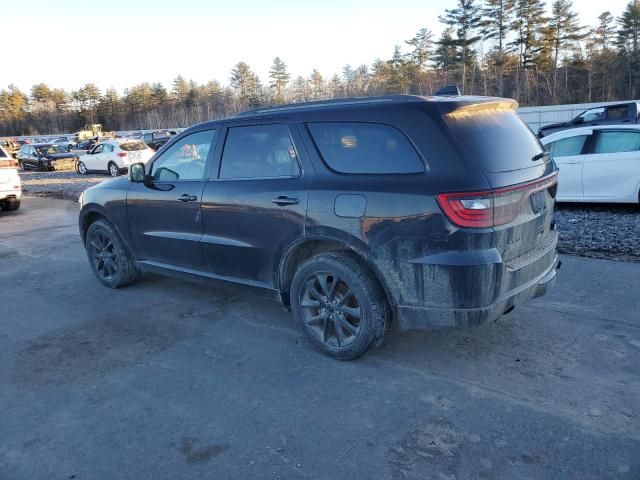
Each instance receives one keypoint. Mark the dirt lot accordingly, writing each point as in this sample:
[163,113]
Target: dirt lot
[175,380]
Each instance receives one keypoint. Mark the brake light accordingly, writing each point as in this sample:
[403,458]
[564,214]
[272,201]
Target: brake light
[490,208]
[122,154]
[9,163]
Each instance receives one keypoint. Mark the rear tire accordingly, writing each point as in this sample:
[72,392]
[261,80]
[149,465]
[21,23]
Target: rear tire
[113,169]
[339,305]
[108,256]
[10,205]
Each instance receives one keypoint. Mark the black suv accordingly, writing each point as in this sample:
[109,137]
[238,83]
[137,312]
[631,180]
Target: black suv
[429,212]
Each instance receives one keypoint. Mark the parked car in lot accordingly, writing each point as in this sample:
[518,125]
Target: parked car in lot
[605,115]
[43,156]
[65,142]
[114,157]
[597,164]
[428,212]
[155,140]
[10,185]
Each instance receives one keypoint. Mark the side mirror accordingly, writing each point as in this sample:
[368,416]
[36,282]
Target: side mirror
[137,173]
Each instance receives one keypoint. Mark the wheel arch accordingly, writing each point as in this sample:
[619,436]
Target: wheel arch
[310,246]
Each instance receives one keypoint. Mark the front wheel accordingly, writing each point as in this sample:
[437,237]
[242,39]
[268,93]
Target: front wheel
[114,171]
[109,258]
[339,305]
[10,205]
[82,168]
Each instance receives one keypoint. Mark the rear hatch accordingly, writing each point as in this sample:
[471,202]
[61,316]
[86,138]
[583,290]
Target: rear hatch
[8,170]
[522,177]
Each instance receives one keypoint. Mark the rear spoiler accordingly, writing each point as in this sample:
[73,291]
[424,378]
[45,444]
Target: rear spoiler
[476,105]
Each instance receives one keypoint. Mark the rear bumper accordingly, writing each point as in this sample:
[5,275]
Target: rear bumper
[508,285]
[418,318]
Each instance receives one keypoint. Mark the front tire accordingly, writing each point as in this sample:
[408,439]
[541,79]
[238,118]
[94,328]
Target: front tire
[109,258]
[82,168]
[339,305]
[10,205]
[113,169]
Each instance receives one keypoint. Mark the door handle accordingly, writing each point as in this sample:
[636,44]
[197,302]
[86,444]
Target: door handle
[283,201]
[187,198]
[570,163]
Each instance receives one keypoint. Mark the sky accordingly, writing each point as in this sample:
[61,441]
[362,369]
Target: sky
[121,43]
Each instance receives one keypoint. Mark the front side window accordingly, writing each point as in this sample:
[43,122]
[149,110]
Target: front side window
[98,149]
[617,142]
[259,151]
[365,148]
[569,146]
[593,114]
[185,159]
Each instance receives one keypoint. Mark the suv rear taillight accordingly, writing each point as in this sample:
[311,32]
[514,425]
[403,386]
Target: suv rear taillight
[9,163]
[490,208]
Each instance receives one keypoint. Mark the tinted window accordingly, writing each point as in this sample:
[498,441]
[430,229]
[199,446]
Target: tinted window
[616,142]
[260,151]
[593,114]
[495,138]
[133,146]
[50,149]
[3,154]
[568,146]
[366,148]
[615,113]
[186,159]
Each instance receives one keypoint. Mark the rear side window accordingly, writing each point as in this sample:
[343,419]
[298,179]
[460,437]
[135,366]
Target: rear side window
[3,154]
[365,148]
[617,142]
[133,146]
[260,151]
[616,113]
[566,147]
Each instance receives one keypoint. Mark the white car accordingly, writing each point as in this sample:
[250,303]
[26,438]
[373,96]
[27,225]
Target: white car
[10,186]
[599,163]
[114,156]
[65,142]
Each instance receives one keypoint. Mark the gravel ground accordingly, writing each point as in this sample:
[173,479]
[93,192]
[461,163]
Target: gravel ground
[597,231]
[65,185]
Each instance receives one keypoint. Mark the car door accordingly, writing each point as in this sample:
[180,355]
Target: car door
[164,214]
[93,159]
[567,152]
[255,207]
[612,169]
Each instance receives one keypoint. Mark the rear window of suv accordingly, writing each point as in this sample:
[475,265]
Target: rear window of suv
[496,138]
[365,148]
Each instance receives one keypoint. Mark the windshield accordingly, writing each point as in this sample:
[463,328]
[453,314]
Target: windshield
[50,149]
[133,146]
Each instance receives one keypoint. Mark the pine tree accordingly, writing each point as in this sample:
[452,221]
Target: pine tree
[465,19]
[317,85]
[628,41]
[529,18]
[279,79]
[180,89]
[497,19]
[605,30]
[246,84]
[446,55]
[422,44]
[565,31]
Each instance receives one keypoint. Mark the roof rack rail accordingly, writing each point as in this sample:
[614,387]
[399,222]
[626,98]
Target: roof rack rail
[332,102]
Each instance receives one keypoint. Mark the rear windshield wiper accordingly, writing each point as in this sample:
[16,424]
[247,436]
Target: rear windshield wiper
[540,155]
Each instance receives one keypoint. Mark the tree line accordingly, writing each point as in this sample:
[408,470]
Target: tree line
[513,48]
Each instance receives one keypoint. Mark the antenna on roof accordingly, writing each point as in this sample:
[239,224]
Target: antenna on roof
[448,91]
